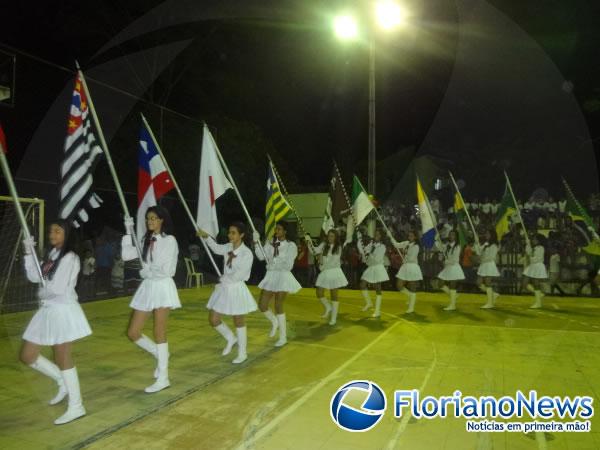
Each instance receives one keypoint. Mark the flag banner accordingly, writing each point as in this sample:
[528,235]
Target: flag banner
[213,184]
[428,231]
[582,222]
[461,216]
[82,153]
[3,147]
[336,203]
[506,209]
[153,179]
[361,203]
[277,206]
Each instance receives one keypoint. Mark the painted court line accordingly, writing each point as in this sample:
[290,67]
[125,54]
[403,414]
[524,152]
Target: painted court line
[268,428]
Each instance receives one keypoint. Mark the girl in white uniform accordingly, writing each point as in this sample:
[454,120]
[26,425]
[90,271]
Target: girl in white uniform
[410,273]
[535,272]
[59,321]
[231,296]
[373,255]
[157,293]
[452,272]
[278,281]
[487,268]
[331,275]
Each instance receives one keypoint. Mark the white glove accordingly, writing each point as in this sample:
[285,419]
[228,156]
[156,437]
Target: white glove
[307,237]
[128,222]
[145,272]
[28,245]
[256,236]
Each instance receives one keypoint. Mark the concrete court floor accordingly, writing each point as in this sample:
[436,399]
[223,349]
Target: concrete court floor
[279,398]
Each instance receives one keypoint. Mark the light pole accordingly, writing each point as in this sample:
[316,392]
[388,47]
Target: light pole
[389,15]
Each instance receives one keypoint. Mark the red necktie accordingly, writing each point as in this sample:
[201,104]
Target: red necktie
[46,267]
[230,255]
[151,246]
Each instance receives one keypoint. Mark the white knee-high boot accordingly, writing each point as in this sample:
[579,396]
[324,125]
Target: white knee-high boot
[226,332]
[150,346]
[335,306]
[282,331]
[377,312]
[367,297]
[242,338]
[538,300]
[51,370]
[75,410]
[490,299]
[162,381]
[412,299]
[327,305]
[452,305]
[274,325]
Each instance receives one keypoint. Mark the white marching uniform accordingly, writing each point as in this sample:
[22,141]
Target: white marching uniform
[157,289]
[279,276]
[60,318]
[410,269]
[536,268]
[373,255]
[331,275]
[487,266]
[452,270]
[231,295]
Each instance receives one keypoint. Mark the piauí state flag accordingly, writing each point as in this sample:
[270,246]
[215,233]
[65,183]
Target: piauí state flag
[428,230]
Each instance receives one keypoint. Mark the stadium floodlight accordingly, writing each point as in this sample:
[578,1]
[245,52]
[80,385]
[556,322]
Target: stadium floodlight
[345,27]
[389,14]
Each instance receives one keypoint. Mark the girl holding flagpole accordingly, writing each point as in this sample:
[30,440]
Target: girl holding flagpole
[488,252]
[373,255]
[60,320]
[279,280]
[331,275]
[535,271]
[231,296]
[452,272]
[410,274]
[157,294]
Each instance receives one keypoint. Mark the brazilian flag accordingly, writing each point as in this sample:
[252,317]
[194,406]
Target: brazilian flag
[506,209]
[582,222]
[460,216]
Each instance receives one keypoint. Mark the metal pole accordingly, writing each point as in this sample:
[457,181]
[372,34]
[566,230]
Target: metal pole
[517,206]
[476,237]
[372,163]
[181,198]
[111,166]
[13,193]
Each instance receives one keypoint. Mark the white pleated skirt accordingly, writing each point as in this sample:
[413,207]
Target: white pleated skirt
[331,279]
[536,270]
[232,299]
[375,274]
[410,272]
[488,269]
[57,323]
[152,294]
[452,272]
[280,281]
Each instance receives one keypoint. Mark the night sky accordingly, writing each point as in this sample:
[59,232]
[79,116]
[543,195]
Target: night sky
[481,86]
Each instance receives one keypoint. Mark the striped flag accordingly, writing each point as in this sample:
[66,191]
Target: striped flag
[81,156]
[582,222]
[277,207]
[153,179]
[460,215]
[505,212]
[428,230]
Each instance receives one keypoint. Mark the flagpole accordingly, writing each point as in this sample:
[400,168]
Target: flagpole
[346,196]
[13,193]
[111,166]
[237,192]
[518,209]
[465,207]
[387,230]
[181,198]
[578,206]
